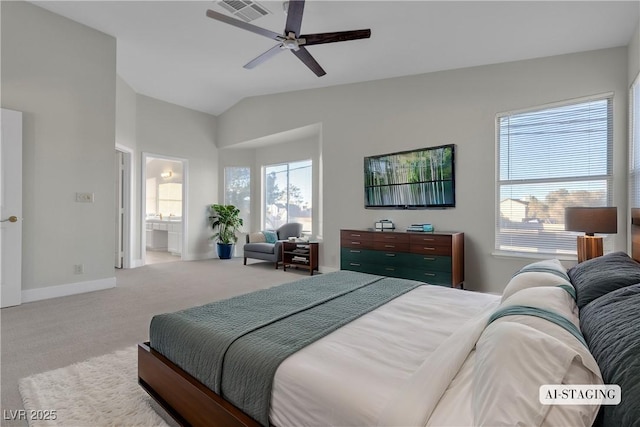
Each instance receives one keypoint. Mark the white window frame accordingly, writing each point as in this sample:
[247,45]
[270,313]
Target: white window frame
[264,189]
[536,252]
[634,144]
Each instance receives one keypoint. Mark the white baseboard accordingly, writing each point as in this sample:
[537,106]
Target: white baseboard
[136,263]
[38,294]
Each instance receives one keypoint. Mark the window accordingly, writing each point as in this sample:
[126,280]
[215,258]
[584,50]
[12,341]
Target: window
[237,191]
[550,158]
[170,199]
[634,144]
[287,196]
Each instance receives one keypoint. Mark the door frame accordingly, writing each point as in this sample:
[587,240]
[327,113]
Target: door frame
[143,202]
[11,166]
[128,203]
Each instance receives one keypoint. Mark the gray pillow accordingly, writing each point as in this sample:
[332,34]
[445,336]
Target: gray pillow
[599,276]
[610,327]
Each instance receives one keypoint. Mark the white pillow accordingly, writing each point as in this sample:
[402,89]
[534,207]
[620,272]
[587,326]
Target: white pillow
[257,237]
[543,273]
[513,360]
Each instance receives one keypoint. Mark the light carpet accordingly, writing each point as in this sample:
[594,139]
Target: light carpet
[102,391]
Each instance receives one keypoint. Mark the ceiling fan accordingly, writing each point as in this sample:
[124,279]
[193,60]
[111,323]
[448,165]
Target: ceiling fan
[291,39]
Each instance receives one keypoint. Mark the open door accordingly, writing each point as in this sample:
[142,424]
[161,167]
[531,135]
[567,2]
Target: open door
[11,208]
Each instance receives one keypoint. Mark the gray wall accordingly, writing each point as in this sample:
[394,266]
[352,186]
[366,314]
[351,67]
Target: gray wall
[62,75]
[149,125]
[458,107]
[170,130]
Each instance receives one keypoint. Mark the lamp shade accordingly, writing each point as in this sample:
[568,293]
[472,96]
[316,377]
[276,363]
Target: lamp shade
[591,220]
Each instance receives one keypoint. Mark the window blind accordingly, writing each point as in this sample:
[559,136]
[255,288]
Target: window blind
[550,158]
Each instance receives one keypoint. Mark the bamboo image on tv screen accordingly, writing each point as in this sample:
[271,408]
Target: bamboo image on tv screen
[418,178]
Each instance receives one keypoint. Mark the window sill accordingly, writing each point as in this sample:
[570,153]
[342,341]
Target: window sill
[536,256]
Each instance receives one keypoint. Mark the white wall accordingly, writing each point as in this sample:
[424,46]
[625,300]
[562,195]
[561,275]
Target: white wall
[634,55]
[62,76]
[170,130]
[456,107]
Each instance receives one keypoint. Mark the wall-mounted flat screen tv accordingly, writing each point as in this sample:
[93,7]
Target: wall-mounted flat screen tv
[423,178]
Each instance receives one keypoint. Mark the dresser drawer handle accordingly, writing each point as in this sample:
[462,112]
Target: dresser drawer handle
[429,274]
[353,251]
[355,243]
[426,239]
[429,249]
[389,246]
[390,254]
[390,237]
[354,264]
[429,259]
[390,269]
[355,235]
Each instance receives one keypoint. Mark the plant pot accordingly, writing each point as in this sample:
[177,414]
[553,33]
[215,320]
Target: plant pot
[225,250]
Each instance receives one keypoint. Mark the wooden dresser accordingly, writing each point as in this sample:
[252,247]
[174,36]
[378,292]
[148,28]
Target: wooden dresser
[435,258]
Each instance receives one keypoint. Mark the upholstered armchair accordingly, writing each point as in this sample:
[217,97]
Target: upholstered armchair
[257,247]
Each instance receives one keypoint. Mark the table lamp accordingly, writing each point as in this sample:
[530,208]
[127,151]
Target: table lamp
[590,221]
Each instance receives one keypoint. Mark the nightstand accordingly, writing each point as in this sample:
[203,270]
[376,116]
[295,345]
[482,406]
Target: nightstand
[300,254]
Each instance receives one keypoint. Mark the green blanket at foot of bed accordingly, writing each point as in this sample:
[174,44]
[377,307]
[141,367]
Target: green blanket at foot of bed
[235,346]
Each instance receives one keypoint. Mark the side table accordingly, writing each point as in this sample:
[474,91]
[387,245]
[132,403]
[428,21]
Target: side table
[300,254]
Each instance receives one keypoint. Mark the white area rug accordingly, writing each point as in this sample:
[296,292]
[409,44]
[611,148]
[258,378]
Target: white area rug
[102,391]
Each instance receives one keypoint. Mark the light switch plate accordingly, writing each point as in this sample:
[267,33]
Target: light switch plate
[84,197]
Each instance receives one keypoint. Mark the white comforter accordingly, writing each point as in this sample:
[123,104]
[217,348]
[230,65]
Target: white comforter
[350,377]
[427,358]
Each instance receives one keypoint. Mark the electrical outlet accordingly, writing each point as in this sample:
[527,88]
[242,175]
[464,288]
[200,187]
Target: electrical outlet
[84,197]
[78,269]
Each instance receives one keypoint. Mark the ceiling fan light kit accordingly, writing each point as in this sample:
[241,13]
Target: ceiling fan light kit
[291,39]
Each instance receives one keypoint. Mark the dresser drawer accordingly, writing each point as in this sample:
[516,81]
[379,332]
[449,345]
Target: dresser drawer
[430,239]
[356,239]
[357,255]
[430,262]
[383,236]
[391,246]
[432,277]
[398,259]
[430,244]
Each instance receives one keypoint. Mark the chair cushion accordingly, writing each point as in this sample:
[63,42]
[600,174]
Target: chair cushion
[270,236]
[257,238]
[266,248]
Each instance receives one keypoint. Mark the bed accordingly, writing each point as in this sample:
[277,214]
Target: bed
[419,355]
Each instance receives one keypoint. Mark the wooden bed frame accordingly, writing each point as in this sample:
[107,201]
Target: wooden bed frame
[192,404]
[183,397]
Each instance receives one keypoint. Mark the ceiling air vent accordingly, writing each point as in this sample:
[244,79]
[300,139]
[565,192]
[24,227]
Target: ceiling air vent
[246,10]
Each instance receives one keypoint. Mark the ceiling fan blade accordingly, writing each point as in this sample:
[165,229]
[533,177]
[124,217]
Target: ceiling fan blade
[304,56]
[294,17]
[266,55]
[241,24]
[340,36]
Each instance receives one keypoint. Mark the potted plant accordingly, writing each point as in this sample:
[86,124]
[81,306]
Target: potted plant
[225,221]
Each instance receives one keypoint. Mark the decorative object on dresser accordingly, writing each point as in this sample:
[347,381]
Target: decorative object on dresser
[303,255]
[435,258]
[591,220]
[384,224]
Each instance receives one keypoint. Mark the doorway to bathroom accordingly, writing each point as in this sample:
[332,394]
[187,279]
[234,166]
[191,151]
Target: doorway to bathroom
[164,206]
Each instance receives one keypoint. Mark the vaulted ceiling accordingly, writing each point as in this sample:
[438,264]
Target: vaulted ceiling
[172,51]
